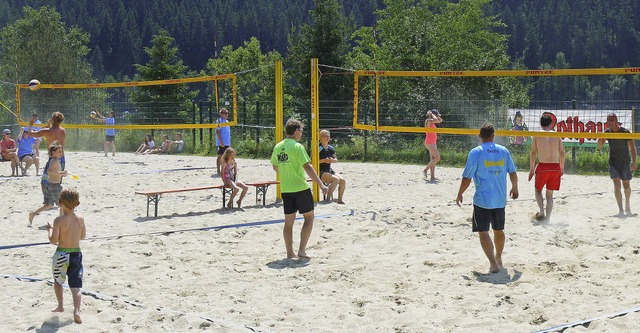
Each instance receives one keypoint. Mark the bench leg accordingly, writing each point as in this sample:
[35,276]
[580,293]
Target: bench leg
[225,191]
[261,190]
[153,199]
[324,196]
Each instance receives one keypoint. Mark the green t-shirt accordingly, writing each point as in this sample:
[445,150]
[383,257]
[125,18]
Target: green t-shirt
[289,156]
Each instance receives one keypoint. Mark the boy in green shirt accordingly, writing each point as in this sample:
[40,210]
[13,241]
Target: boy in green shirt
[291,162]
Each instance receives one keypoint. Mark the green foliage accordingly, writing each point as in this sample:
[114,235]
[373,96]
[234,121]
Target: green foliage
[435,35]
[258,83]
[164,103]
[40,46]
[248,147]
[324,38]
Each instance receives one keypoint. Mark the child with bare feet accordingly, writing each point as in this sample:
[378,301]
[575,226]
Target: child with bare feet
[66,232]
[291,161]
[230,177]
[433,118]
[51,179]
[548,171]
[327,174]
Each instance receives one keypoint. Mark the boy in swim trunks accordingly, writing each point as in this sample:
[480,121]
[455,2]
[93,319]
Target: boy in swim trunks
[51,181]
[550,168]
[66,232]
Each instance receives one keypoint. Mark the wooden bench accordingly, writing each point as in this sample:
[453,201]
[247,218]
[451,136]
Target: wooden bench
[153,197]
[261,189]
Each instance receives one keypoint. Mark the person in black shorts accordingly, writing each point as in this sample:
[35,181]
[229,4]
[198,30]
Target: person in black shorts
[621,163]
[327,174]
[291,161]
[488,166]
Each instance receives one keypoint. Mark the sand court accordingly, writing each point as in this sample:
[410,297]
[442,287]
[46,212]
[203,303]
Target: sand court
[399,256]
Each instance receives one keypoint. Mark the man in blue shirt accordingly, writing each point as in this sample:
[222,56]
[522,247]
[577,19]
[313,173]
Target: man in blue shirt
[488,165]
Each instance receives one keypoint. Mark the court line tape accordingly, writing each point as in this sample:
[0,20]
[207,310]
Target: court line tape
[103,297]
[586,322]
[216,228]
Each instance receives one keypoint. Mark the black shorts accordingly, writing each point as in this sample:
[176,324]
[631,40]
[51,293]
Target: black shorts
[110,138]
[221,149]
[483,218]
[298,201]
[25,155]
[620,170]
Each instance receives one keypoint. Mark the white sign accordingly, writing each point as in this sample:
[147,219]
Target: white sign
[571,120]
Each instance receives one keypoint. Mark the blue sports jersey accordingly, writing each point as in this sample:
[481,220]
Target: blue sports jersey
[110,131]
[225,133]
[488,165]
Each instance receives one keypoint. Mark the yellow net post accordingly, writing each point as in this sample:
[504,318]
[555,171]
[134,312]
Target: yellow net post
[315,124]
[279,115]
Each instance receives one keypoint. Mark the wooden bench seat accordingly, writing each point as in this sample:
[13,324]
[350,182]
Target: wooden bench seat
[153,197]
[261,189]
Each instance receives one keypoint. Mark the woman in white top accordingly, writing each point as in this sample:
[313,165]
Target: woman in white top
[146,145]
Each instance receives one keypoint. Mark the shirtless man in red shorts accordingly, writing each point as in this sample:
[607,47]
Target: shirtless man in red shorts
[549,168]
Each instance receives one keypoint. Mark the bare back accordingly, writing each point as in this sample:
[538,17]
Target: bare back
[69,229]
[53,134]
[548,149]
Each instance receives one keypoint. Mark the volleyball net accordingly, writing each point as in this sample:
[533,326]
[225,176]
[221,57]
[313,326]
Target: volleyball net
[159,104]
[189,106]
[578,101]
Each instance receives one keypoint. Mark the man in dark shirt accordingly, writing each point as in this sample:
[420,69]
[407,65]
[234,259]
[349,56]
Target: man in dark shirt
[621,165]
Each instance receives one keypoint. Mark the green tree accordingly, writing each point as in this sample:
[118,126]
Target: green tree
[39,46]
[166,103]
[324,38]
[434,35]
[255,78]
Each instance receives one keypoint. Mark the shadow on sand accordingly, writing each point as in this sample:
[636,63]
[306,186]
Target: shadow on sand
[53,324]
[501,277]
[288,263]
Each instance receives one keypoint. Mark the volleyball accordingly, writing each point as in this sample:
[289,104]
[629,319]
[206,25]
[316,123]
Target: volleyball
[34,85]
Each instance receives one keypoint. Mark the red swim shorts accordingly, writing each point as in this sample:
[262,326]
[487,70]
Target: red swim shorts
[548,174]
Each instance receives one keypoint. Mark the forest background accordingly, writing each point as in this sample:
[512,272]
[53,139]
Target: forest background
[117,40]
